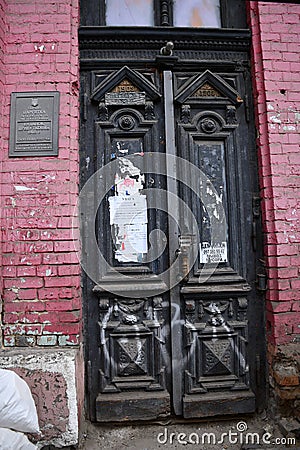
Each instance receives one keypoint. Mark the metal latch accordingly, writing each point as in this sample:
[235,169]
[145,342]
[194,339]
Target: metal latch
[255,219]
[261,277]
[184,254]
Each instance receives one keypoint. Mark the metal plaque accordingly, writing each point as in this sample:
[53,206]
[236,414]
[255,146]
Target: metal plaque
[125,98]
[34,124]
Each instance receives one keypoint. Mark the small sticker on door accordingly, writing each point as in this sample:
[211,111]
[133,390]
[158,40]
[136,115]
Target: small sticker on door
[216,253]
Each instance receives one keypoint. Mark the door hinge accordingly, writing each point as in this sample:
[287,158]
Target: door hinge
[261,282]
[261,277]
[89,404]
[258,369]
[84,107]
[255,219]
[247,108]
[256,206]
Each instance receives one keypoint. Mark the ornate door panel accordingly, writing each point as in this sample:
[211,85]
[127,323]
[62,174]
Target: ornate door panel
[210,122]
[168,176]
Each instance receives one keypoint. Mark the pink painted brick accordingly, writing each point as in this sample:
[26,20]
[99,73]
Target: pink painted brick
[27,294]
[30,317]
[296,306]
[9,271]
[67,292]
[63,246]
[19,306]
[24,271]
[62,281]
[66,329]
[12,318]
[47,271]
[48,293]
[30,282]
[295,284]
[58,317]
[63,305]
[69,270]
[61,258]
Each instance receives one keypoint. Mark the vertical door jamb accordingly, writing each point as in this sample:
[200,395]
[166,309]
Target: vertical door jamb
[173,239]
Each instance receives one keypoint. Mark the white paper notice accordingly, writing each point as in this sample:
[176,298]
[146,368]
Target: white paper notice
[213,254]
[128,210]
[132,243]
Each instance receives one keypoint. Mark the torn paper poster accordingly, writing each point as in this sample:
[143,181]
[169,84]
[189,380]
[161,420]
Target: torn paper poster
[128,210]
[128,214]
[132,243]
[128,185]
[216,253]
[129,180]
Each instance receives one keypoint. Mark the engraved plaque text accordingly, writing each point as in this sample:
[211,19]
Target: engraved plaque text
[34,124]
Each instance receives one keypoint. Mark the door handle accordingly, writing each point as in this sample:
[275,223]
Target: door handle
[184,254]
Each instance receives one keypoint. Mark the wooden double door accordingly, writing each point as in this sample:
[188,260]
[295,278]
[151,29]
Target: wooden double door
[173,293]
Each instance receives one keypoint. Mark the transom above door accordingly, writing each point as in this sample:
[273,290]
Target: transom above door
[191,13]
[164,13]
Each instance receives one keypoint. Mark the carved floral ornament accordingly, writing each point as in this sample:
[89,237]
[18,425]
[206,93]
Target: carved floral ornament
[129,311]
[126,122]
[208,125]
[215,310]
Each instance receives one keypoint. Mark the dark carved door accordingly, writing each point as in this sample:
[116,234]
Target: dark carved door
[170,241]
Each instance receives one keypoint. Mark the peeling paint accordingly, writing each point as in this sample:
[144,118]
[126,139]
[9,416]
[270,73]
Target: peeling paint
[289,128]
[40,48]
[275,119]
[15,290]
[46,178]
[23,188]
[60,362]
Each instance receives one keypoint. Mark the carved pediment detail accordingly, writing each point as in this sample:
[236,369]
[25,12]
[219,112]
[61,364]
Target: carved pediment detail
[125,86]
[206,90]
[125,81]
[207,86]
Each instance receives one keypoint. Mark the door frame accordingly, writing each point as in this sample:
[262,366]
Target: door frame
[206,50]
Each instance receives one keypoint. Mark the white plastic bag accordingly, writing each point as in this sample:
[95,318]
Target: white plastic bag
[17,408]
[13,440]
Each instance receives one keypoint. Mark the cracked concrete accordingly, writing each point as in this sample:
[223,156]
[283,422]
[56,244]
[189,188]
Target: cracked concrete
[238,433]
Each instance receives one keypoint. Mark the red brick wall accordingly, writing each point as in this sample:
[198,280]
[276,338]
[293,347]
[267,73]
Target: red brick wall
[41,272]
[276,66]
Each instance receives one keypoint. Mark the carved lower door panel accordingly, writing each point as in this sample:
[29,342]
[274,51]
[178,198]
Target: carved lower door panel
[217,370]
[133,370]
